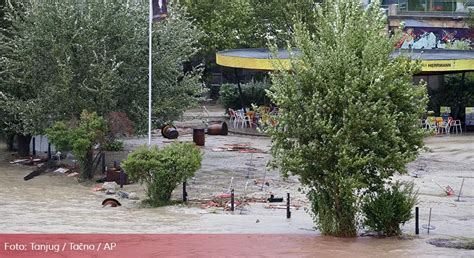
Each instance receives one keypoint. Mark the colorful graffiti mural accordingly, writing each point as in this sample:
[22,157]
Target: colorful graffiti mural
[435,38]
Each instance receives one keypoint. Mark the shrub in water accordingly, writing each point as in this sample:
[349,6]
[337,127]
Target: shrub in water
[386,210]
[163,169]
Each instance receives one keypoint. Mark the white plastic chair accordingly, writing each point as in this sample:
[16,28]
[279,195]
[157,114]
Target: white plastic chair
[244,119]
[455,124]
[234,119]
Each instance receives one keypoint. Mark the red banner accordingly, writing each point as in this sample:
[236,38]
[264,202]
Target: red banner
[164,245]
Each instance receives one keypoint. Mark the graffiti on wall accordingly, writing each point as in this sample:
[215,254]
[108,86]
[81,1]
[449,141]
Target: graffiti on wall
[434,38]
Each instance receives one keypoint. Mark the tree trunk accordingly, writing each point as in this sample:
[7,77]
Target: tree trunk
[10,142]
[88,169]
[23,144]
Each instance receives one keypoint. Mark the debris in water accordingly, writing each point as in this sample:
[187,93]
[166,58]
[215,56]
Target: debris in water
[276,206]
[123,194]
[275,199]
[61,170]
[39,170]
[73,174]
[110,187]
[261,181]
[110,202]
[240,147]
[133,196]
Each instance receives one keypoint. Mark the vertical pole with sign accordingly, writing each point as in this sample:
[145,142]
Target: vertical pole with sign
[158,10]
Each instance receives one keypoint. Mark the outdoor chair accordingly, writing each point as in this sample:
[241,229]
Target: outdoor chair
[455,124]
[430,123]
[443,126]
[243,119]
[233,118]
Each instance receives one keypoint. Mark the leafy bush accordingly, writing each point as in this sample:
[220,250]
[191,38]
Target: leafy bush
[334,208]
[252,93]
[79,138]
[113,145]
[387,209]
[163,169]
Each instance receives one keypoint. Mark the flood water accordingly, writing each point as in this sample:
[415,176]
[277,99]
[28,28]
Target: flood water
[54,203]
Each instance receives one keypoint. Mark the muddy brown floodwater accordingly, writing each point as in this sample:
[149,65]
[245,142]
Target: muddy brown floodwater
[54,203]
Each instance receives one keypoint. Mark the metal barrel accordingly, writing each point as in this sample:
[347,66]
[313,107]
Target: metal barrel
[169,132]
[219,128]
[199,136]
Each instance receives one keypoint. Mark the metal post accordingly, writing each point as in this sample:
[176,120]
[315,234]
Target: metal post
[34,146]
[103,163]
[232,199]
[429,222]
[150,24]
[49,151]
[122,178]
[460,189]
[185,193]
[417,217]
[264,177]
[288,212]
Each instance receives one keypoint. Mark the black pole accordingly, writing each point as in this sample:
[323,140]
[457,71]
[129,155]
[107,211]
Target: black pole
[232,199]
[49,151]
[288,212]
[122,178]
[460,95]
[185,193]
[103,163]
[417,217]
[34,146]
[240,91]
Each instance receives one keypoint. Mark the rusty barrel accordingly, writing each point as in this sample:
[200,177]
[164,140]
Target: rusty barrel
[169,132]
[219,128]
[198,136]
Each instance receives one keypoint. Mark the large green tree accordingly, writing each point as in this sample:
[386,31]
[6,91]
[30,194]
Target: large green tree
[349,112]
[232,24]
[64,57]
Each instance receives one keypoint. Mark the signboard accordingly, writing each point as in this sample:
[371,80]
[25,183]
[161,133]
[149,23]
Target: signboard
[160,9]
[447,65]
[445,110]
[469,116]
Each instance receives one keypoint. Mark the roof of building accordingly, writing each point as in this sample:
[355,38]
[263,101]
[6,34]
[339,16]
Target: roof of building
[433,61]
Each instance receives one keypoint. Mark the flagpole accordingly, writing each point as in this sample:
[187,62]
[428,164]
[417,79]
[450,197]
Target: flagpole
[150,22]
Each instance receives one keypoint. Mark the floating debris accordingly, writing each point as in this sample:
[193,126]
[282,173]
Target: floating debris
[110,202]
[238,147]
[61,170]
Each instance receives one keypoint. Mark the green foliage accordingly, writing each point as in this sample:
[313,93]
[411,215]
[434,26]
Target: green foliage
[348,111]
[386,210]
[113,145]
[232,24]
[335,205]
[63,58]
[161,170]
[459,45]
[452,93]
[252,93]
[79,139]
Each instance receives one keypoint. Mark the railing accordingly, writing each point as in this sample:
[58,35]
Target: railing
[435,6]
